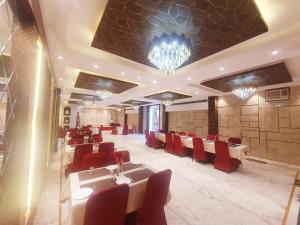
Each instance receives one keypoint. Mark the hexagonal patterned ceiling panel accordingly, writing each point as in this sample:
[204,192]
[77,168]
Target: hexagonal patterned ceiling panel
[168,95]
[94,82]
[259,77]
[212,25]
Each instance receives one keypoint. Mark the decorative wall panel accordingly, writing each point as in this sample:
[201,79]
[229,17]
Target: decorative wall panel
[270,129]
[189,121]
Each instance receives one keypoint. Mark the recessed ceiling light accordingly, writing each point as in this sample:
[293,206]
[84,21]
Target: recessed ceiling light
[60,79]
[275,52]
[59,57]
[154,82]
[95,66]
[178,88]
[122,73]
[189,78]
[138,77]
[221,68]
[196,92]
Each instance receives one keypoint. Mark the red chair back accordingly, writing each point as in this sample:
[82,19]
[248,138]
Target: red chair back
[232,140]
[95,160]
[96,138]
[155,143]
[107,207]
[181,133]
[223,161]
[169,142]
[147,136]
[114,131]
[108,148]
[179,149]
[198,150]
[125,130]
[79,153]
[212,137]
[124,156]
[152,211]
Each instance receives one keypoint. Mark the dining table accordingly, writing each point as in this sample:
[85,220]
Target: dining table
[101,179]
[237,151]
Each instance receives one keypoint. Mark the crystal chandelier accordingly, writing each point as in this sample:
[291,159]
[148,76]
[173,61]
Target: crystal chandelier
[169,52]
[103,93]
[244,92]
[167,102]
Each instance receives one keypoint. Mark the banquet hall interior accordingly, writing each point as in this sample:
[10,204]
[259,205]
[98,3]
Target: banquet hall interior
[149,112]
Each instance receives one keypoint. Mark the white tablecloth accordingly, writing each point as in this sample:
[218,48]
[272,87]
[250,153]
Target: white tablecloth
[238,152]
[77,207]
[119,130]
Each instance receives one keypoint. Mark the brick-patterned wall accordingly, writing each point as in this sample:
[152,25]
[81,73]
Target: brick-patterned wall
[189,121]
[270,129]
[133,120]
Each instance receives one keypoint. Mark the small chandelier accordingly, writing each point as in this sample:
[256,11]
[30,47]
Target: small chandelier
[169,52]
[167,102]
[103,93]
[244,92]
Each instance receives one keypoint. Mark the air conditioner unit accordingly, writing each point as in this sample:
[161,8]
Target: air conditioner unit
[277,94]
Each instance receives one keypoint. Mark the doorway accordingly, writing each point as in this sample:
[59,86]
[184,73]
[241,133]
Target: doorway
[154,117]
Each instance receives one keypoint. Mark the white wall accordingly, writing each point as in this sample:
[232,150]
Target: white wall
[96,117]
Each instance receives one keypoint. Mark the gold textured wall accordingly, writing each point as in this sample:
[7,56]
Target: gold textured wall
[120,117]
[189,121]
[270,129]
[133,120]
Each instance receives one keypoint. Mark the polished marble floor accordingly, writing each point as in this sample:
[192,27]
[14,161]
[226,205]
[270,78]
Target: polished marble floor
[255,194]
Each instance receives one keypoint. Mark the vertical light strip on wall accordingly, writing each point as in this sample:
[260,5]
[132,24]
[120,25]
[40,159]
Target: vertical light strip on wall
[33,139]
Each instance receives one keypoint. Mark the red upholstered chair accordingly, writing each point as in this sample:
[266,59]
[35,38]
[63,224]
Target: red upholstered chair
[212,137]
[155,143]
[123,155]
[75,141]
[147,136]
[125,130]
[169,142]
[223,161]
[172,131]
[107,207]
[96,138]
[161,131]
[109,149]
[233,140]
[191,135]
[182,133]
[179,149]
[100,159]
[131,130]
[152,211]
[114,131]
[198,150]
[79,153]
[106,146]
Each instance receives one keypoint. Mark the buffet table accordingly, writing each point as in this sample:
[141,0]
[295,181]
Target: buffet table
[238,152]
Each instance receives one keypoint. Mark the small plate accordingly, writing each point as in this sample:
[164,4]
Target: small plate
[111,167]
[82,193]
